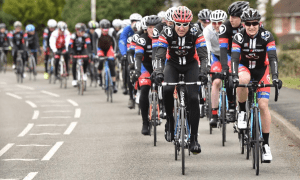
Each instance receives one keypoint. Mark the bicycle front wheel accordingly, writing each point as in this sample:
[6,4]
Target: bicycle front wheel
[182,140]
[257,143]
[154,115]
[223,115]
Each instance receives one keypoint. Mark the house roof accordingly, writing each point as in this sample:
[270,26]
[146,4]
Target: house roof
[287,8]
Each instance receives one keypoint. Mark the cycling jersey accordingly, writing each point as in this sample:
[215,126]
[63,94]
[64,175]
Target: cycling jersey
[143,53]
[132,41]
[127,32]
[200,26]
[105,41]
[32,41]
[46,37]
[226,34]
[4,39]
[212,40]
[79,44]
[16,39]
[58,41]
[156,31]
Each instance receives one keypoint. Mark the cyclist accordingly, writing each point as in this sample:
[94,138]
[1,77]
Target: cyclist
[59,42]
[46,45]
[143,68]
[16,42]
[80,44]
[106,46]
[211,35]
[203,18]
[253,49]
[126,33]
[117,24]
[32,41]
[182,40]
[92,26]
[3,37]
[226,32]
[162,16]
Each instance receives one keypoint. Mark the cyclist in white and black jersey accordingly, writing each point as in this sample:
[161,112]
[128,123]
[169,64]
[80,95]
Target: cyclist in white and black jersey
[203,18]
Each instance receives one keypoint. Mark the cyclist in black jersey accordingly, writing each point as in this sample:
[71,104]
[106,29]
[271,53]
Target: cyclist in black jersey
[3,37]
[182,40]
[203,18]
[143,68]
[31,41]
[253,50]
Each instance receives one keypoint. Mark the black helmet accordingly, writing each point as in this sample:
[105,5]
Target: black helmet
[104,23]
[250,15]
[152,20]
[2,25]
[237,8]
[204,14]
[80,27]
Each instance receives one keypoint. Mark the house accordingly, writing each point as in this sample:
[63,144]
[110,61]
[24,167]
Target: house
[287,21]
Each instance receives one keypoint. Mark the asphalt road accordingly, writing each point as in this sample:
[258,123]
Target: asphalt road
[51,133]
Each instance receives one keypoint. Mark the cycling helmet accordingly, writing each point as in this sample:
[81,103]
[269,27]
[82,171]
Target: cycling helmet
[182,14]
[62,25]
[162,14]
[138,25]
[143,22]
[17,24]
[135,17]
[51,23]
[97,24]
[117,23]
[153,20]
[30,28]
[218,15]
[104,23]
[204,14]
[250,15]
[2,25]
[92,24]
[169,13]
[237,8]
[126,22]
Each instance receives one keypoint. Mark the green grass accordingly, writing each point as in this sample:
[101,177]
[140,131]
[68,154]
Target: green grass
[291,82]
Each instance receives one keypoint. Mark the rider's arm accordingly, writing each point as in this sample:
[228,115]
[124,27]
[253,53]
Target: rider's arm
[160,55]
[206,35]
[71,44]
[139,54]
[201,51]
[272,55]
[26,43]
[68,37]
[130,51]
[223,41]
[10,38]
[123,40]
[88,43]
[52,41]
[235,54]
[155,41]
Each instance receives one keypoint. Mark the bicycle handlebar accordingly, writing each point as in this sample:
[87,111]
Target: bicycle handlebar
[181,83]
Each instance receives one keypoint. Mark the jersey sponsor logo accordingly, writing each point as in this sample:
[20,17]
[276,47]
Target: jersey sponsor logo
[252,56]
[194,31]
[129,40]
[181,52]
[135,37]
[222,29]
[174,42]
[155,32]
[149,47]
[168,31]
[239,38]
[246,44]
[142,41]
[265,35]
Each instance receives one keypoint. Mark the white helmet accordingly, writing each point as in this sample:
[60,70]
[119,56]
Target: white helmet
[135,17]
[126,22]
[117,23]
[144,26]
[51,23]
[17,24]
[62,25]
[162,15]
[218,15]
[169,13]
[92,24]
[97,24]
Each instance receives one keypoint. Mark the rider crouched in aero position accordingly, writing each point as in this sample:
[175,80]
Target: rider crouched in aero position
[59,43]
[80,44]
[31,39]
[181,41]
[211,35]
[106,46]
[143,68]
[253,49]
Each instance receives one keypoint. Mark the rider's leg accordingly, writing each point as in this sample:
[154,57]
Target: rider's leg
[144,105]
[74,63]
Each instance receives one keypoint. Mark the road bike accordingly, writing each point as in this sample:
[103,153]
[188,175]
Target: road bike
[50,65]
[108,84]
[19,66]
[81,84]
[31,63]
[62,71]
[3,59]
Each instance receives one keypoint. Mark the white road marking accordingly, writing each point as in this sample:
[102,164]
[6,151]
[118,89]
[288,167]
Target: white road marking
[6,148]
[13,95]
[35,114]
[2,83]
[70,128]
[52,151]
[8,179]
[25,92]
[51,125]
[50,93]
[51,111]
[30,176]
[29,145]
[57,117]
[53,105]
[25,87]
[77,113]
[31,104]
[72,102]
[19,159]
[26,130]
[41,134]
[50,101]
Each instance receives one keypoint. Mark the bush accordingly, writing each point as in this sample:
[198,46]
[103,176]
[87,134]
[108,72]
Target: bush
[288,65]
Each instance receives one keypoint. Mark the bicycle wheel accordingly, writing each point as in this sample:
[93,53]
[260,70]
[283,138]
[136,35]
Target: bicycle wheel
[253,141]
[248,146]
[33,68]
[1,62]
[223,115]
[176,151]
[208,104]
[257,143]
[5,63]
[241,139]
[182,140]
[154,108]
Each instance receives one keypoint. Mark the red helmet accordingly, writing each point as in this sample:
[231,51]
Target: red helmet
[182,14]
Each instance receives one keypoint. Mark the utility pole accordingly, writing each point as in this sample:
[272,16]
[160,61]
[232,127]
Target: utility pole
[93,9]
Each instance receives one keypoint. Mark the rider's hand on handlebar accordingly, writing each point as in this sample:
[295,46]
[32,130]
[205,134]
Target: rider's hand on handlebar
[134,75]
[277,82]
[202,77]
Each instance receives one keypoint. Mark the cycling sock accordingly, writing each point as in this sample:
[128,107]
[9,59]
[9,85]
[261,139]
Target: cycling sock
[214,111]
[242,106]
[266,138]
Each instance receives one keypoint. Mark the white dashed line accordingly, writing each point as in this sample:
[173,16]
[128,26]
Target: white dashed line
[70,128]
[19,159]
[2,83]
[57,117]
[26,130]
[25,87]
[29,145]
[51,125]
[6,148]
[35,114]
[50,93]
[77,113]
[51,111]
[30,176]
[13,95]
[53,105]
[31,104]
[72,102]
[50,101]
[27,93]
[41,134]
[52,151]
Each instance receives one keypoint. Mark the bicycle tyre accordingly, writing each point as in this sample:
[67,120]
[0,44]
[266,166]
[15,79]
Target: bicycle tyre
[208,101]
[34,68]
[154,108]
[182,140]
[241,140]
[223,114]
[1,62]
[253,141]
[257,143]
[176,151]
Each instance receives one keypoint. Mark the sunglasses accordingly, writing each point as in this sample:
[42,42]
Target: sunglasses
[251,23]
[182,24]
[215,23]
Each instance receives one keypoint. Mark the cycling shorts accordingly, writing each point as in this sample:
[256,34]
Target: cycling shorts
[109,53]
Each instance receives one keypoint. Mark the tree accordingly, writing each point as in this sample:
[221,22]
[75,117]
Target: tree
[269,19]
